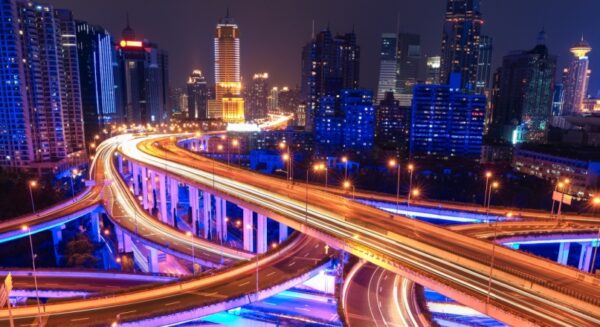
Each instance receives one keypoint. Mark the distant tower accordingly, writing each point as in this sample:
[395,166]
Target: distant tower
[460,41]
[227,73]
[197,95]
[576,78]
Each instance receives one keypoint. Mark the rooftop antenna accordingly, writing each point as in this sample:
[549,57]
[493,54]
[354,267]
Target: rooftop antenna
[398,22]
[313,29]
[227,14]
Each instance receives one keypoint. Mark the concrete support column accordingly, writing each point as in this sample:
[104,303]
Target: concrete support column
[95,226]
[153,260]
[248,230]
[120,163]
[585,258]
[136,179]
[124,242]
[563,253]
[224,218]
[283,232]
[162,187]
[261,234]
[57,238]
[129,166]
[205,213]
[219,217]
[151,189]
[194,205]
[174,194]
[144,177]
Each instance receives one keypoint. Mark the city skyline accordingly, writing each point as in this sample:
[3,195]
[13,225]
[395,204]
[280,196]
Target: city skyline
[294,26]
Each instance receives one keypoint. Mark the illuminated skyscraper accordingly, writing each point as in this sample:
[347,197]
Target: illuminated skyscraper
[409,60]
[227,73]
[432,74]
[484,64]
[197,96]
[388,65]
[460,41]
[576,79]
[256,95]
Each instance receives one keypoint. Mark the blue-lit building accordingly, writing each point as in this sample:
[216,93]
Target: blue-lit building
[345,123]
[446,122]
[95,48]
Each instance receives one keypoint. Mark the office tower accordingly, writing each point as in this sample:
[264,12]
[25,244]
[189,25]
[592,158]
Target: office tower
[257,94]
[445,122]
[328,65]
[273,100]
[484,64]
[70,87]
[96,74]
[184,104]
[432,73]
[392,124]
[558,100]
[328,126]
[300,115]
[409,60]
[197,96]
[227,73]
[143,79]
[388,65]
[288,100]
[522,101]
[460,41]
[576,78]
[356,108]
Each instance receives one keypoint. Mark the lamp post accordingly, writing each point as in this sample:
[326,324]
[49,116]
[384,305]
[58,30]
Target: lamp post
[494,185]
[31,185]
[348,185]
[26,228]
[393,163]
[411,168]
[74,173]
[345,161]
[236,144]
[562,196]
[286,158]
[322,167]
[190,235]
[488,175]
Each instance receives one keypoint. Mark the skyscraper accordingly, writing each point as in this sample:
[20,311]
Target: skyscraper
[524,89]
[445,122]
[484,64]
[460,41]
[356,108]
[432,75]
[392,124]
[388,65]
[227,73]
[273,100]
[96,53]
[197,96]
[328,65]
[576,78]
[143,78]
[256,96]
[409,60]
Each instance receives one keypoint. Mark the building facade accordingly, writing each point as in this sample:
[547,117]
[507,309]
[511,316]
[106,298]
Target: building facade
[484,64]
[576,78]
[197,96]
[387,65]
[392,124]
[257,95]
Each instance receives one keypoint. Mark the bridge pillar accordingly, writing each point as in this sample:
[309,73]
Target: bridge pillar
[129,167]
[136,179]
[193,194]
[124,242]
[120,163]
[283,232]
[153,260]
[261,234]
[247,230]
[585,258]
[174,194]
[563,253]
[205,214]
[57,238]
[145,203]
[224,219]
[162,187]
[152,189]
[95,226]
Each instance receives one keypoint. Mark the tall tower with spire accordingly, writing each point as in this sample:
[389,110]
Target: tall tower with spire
[228,103]
[576,78]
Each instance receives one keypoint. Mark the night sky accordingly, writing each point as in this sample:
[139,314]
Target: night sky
[273,32]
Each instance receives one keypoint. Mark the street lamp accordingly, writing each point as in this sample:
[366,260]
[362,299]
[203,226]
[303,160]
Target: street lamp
[348,185]
[290,161]
[345,161]
[411,168]
[32,184]
[488,175]
[189,234]
[236,144]
[562,195]
[286,158]
[321,167]
[393,163]
[26,228]
[494,185]
[74,173]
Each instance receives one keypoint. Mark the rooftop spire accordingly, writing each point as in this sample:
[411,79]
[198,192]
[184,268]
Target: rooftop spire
[128,32]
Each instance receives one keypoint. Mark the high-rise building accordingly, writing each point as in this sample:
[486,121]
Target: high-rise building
[328,65]
[227,73]
[356,108]
[197,96]
[576,79]
[484,64]
[432,73]
[256,97]
[273,100]
[143,79]
[460,41]
[445,122]
[392,124]
[558,100]
[288,100]
[524,89]
[409,60]
[388,65]
[328,126]
[96,52]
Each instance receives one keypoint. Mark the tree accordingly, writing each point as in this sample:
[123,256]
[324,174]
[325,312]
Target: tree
[79,252]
